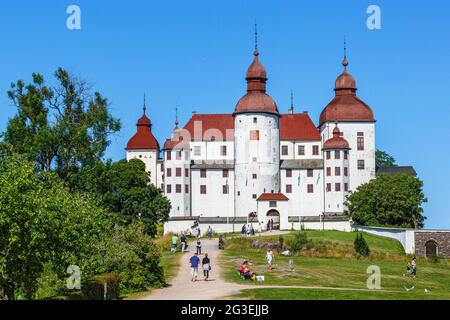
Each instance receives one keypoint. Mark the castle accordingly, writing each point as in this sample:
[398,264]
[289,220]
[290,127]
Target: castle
[256,164]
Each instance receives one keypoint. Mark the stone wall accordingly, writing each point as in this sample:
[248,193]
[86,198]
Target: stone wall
[442,238]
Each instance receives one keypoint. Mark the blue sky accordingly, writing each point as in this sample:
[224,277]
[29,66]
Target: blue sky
[194,54]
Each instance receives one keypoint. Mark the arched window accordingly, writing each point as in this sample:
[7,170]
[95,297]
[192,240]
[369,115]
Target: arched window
[431,248]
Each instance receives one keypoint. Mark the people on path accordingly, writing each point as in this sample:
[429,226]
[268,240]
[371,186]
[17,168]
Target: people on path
[414,267]
[252,230]
[199,246]
[174,243]
[210,232]
[195,260]
[243,231]
[260,227]
[183,242]
[271,224]
[408,270]
[269,258]
[206,263]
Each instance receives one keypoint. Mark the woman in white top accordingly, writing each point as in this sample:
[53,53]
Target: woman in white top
[269,258]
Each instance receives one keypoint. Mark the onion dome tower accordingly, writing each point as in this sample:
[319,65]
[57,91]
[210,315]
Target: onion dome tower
[144,146]
[257,141]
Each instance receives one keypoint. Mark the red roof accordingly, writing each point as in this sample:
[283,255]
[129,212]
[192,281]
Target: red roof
[143,139]
[298,127]
[273,197]
[346,106]
[337,142]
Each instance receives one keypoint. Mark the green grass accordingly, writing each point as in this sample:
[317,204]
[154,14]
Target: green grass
[332,263]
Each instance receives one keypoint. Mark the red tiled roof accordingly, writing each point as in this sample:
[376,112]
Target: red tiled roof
[273,197]
[298,127]
[337,142]
[220,127]
[143,139]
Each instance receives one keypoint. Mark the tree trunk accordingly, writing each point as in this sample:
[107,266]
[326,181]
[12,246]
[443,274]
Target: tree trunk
[8,290]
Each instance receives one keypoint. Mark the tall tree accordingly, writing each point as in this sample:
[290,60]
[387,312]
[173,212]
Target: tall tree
[389,200]
[384,160]
[62,127]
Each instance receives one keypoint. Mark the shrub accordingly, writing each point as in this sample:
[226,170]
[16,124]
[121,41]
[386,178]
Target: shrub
[361,246]
[435,258]
[298,242]
[281,243]
[93,288]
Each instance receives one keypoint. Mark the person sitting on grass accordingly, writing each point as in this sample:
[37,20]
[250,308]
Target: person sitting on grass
[245,270]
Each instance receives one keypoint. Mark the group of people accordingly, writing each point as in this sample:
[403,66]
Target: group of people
[411,268]
[195,262]
[249,230]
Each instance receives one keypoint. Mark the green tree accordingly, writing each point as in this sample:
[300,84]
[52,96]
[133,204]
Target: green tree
[42,222]
[384,160]
[389,200]
[62,127]
[124,188]
[361,246]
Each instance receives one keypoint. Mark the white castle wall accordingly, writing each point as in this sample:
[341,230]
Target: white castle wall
[334,200]
[260,157]
[150,159]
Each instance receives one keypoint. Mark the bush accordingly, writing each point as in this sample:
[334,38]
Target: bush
[361,246]
[435,258]
[93,289]
[281,243]
[298,242]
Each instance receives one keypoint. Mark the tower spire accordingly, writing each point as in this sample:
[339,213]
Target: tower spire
[291,109]
[145,105]
[345,61]
[176,117]
[256,53]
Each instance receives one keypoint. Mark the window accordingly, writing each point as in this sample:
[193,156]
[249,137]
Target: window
[225,173]
[289,173]
[345,172]
[169,188]
[169,172]
[310,188]
[178,188]
[272,204]
[328,187]
[179,155]
[178,172]
[310,173]
[345,155]
[186,172]
[337,155]
[225,189]
[361,165]
[338,187]
[337,171]
[255,176]
[346,187]
[223,150]
[328,171]
[301,150]
[254,196]
[360,141]
[255,159]
[255,120]
[284,150]
[289,188]
[186,188]
[254,135]
[169,155]
[328,155]
[315,150]
[197,151]
[187,155]
[202,189]
[203,173]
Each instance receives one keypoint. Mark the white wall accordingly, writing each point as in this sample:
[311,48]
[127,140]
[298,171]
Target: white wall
[267,153]
[150,159]
[293,150]
[350,131]
[405,236]
[181,202]
[334,200]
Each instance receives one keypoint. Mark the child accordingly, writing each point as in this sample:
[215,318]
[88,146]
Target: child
[199,247]
[408,270]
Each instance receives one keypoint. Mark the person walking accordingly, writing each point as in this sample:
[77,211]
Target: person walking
[260,227]
[269,258]
[414,267]
[199,247]
[195,260]
[206,263]
[243,231]
[174,243]
[210,232]
[183,242]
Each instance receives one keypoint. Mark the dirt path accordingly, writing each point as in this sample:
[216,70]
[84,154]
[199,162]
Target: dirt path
[182,288]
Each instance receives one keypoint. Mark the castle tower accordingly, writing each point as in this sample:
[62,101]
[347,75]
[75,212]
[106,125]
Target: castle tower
[337,172]
[145,147]
[357,124]
[257,142]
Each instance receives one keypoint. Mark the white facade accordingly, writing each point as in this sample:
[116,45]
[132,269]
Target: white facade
[152,164]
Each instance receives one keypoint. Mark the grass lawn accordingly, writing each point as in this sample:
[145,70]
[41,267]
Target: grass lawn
[332,263]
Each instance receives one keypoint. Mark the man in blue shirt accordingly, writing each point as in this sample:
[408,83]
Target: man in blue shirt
[195,260]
